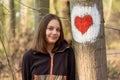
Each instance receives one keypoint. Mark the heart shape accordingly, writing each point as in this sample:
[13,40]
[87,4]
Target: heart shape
[84,23]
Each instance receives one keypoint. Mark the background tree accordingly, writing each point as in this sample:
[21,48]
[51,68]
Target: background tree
[2,12]
[42,8]
[12,17]
[23,15]
[2,18]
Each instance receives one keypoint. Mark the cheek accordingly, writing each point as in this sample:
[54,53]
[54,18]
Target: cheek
[47,32]
[59,34]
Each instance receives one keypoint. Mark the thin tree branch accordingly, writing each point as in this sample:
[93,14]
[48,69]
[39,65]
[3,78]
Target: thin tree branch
[7,57]
[31,7]
[112,28]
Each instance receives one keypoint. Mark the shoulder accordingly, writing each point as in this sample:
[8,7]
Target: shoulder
[28,54]
[70,49]
[67,46]
[71,52]
[27,58]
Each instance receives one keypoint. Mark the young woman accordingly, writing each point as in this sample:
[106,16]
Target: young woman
[51,58]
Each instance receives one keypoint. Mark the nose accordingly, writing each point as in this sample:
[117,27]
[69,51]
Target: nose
[54,31]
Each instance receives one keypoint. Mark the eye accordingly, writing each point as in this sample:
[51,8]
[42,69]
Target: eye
[58,29]
[50,28]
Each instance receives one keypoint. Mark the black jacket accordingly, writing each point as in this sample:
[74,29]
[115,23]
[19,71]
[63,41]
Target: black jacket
[40,66]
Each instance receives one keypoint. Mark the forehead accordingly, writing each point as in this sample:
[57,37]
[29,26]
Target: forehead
[54,22]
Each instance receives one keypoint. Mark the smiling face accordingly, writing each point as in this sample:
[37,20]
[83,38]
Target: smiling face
[53,31]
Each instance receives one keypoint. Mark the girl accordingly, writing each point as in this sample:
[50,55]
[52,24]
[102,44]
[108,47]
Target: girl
[50,58]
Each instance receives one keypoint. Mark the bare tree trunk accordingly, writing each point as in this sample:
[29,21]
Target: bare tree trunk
[53,7]
[12,18]
[109,12]
[9,61]
[88,39]
[23,15]
[2,19]
[65,14]
[42,7]
[2,15]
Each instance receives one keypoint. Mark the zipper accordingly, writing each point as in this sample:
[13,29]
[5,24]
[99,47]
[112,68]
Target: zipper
[51,66]
[64,49]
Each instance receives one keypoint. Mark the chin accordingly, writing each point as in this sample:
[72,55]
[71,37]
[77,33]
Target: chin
[52,42]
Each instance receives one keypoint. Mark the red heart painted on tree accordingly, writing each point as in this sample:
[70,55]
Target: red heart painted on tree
[84,23]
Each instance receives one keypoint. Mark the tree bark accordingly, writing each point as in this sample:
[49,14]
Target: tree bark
[2,13]
[23,15]
[109,12]
[12,18]
[42,7]
[9,61]
[2,20]
[90,53]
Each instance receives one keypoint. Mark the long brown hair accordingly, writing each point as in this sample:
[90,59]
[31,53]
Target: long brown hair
[39,40]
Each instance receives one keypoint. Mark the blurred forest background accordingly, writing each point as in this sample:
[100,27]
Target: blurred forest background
[17,25]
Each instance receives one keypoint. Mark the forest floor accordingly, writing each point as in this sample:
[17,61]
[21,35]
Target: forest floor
[113,64]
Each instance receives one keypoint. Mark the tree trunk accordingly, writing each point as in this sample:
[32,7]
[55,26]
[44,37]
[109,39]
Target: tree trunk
[2,13]
[88,39]
[53,8]
[109,12]
[23,16]
[12,18]
[42,7]
[65,14]
[2,20]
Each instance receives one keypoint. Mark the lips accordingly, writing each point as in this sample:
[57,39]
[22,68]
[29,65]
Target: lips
[54,37]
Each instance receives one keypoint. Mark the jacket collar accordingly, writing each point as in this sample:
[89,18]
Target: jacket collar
[62,48]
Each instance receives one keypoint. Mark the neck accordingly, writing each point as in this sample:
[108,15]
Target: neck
[50,47]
